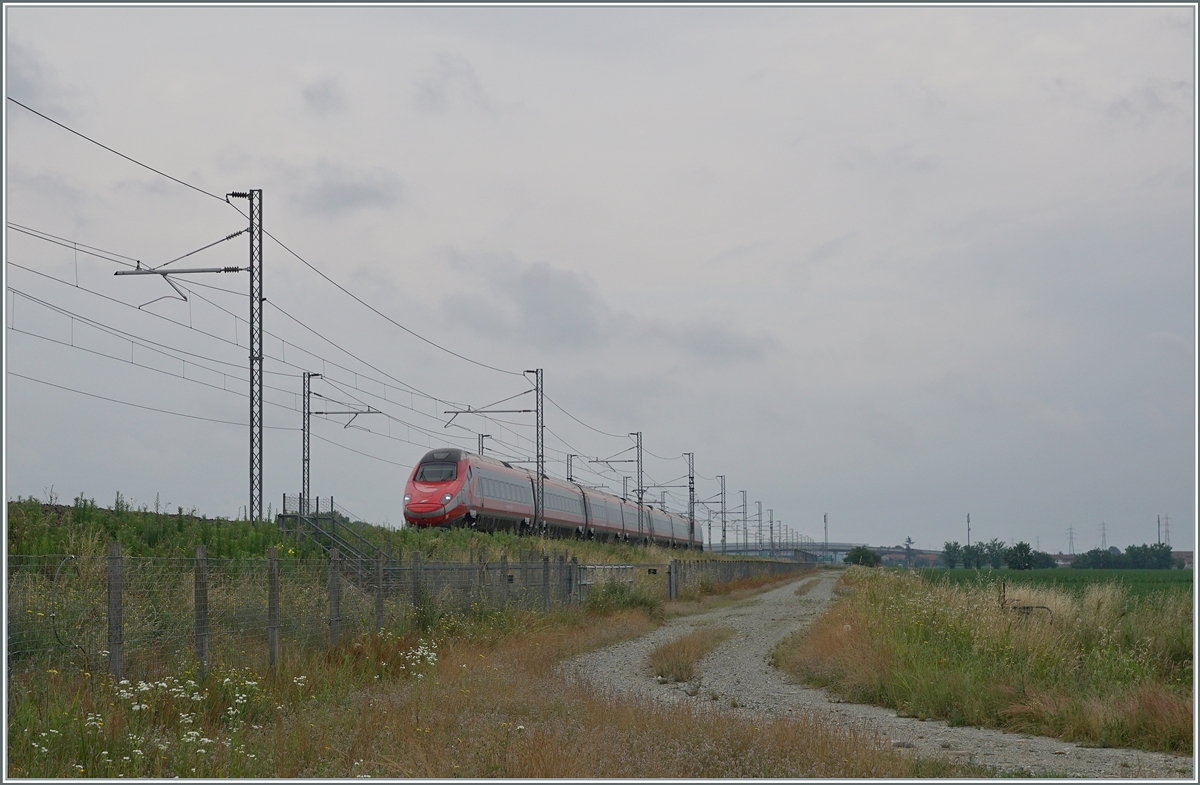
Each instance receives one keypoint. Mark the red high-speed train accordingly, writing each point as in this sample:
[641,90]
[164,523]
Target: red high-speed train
[452,487]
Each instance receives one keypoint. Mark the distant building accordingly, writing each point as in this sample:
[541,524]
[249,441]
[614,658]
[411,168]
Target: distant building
[1186,556]
[1064,559]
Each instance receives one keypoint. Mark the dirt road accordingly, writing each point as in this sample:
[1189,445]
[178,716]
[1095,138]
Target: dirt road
[737,676]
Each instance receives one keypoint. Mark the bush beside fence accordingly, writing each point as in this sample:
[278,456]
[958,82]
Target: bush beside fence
[142,616]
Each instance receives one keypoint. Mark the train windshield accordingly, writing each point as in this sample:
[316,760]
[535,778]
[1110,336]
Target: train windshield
[437,471]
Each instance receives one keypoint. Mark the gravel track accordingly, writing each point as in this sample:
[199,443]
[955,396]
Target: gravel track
[738,673]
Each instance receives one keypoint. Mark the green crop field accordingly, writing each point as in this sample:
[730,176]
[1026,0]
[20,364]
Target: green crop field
[1138,583]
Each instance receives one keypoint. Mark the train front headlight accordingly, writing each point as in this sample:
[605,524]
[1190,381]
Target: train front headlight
[407,498]
[446,499]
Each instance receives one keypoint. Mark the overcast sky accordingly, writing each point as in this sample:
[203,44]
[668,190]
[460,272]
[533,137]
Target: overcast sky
[896,265]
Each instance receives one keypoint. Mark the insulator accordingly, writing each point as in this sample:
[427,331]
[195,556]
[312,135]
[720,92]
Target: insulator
[239,195]
[232,270]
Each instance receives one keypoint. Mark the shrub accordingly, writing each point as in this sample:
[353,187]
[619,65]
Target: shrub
[616,596]
[862,555]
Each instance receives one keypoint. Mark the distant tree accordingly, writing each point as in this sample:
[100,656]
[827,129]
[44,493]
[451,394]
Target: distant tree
[951,554]
[1019,556]
[1137,557]
[861,554]
[1043,561]
[1149,557]
[908,557]
[994,551]
[973,556]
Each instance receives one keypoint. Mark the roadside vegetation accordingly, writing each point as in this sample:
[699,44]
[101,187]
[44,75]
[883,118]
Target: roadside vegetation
[1095,663]
[477,694]
[676,660]
[806,586]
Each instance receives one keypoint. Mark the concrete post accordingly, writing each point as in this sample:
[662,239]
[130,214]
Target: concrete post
[379,591]
[335,596]
[273,606]
[201,573]
[416,581]
[115,625]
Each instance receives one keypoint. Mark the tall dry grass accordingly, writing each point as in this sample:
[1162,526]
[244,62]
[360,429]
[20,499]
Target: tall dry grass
[1105,668]
[676,660]
[486,699]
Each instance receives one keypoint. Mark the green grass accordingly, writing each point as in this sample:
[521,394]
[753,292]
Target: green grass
[1137,583]
[1104,665]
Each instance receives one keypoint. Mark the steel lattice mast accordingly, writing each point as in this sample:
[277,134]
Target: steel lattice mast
[256,356]
[691,456]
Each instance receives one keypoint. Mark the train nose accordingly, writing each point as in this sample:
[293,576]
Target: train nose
[424,507]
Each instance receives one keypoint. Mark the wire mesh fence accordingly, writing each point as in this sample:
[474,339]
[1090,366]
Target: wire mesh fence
[140,617]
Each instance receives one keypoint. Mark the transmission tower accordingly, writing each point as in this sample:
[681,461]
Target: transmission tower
[691,456]
[256,354]
[306,435]
[1167,529]
[1103,536]
[760,541]
[722,478]
[254,509]
[305,449]
[1070,539]
[771,531]
[539,503]
[745,527]
[641,488]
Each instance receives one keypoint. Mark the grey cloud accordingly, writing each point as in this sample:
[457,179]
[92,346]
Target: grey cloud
[895,161]
[334,190]
[885,430]
[1151,99]
[450,81]
[548,307]
[325,97]
[558,309]
[32,82]
[801,273]
[709,340]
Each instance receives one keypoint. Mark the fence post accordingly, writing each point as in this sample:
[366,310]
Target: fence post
[201,573]
[273,606]
[545,584]
[335,595]
[379,591]
[671,590]
[115,626]
[504,580]
[416,581]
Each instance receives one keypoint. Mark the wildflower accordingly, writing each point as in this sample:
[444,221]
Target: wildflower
[52,670]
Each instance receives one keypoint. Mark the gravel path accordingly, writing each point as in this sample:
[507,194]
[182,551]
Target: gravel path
[739,672]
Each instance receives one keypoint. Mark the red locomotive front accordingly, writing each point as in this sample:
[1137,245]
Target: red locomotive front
[435,494]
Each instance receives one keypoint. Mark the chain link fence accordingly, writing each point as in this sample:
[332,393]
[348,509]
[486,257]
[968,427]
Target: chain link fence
[141,617]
